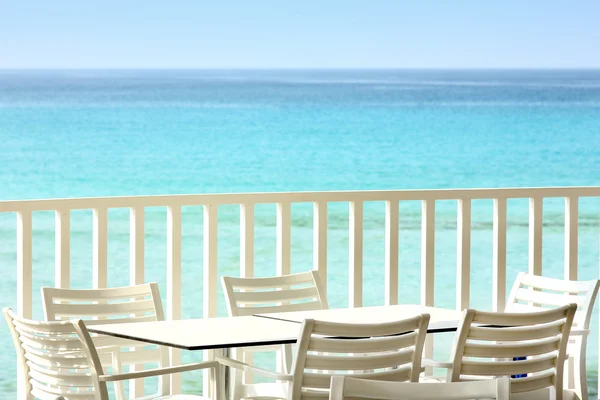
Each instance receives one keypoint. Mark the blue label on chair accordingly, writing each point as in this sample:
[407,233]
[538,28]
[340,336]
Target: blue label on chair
[519,375]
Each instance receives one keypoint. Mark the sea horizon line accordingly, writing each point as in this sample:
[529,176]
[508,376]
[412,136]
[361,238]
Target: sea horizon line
[176,68]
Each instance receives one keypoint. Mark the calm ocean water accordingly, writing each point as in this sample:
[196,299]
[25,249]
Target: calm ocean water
[101,133]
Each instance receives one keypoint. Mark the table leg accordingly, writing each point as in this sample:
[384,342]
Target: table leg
[223,384]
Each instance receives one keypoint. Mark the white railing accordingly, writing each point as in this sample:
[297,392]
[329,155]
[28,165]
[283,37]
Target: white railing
[320,200]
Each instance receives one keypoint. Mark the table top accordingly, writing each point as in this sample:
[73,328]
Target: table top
[442,319]
[266,329]
[206,333]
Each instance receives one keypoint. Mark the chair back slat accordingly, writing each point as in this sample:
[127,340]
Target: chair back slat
[64,310]
[303,278]
[333,345]
[510,367]
[322,381]
[508,349]
[538,340]
[390,351]
[516,333]
[548,299]
[553,284]
[530,384]
[363,361]
[93,295]
[247,309]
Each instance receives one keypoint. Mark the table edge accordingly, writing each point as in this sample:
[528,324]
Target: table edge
[193,348]
[430,329]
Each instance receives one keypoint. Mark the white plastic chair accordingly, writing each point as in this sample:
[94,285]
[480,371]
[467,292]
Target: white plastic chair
[487,344]
[139,303]
[390,351]
[249,296]
[60,361]
[533,293]
[343,387]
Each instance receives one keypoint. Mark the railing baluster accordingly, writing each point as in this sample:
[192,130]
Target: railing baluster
[391,252]
[174,283]
[320,241]
[136,245]
[24,278]
[62,248]
[428,253]
[100,250]
[283,254]
[283,238]
[428,265]
[463,254]
[499,256]
[211,273]
[247,240]
[355,275]
[136,276]
[211,268]
[571,238]
[24,265]
[247,260]
[535,235]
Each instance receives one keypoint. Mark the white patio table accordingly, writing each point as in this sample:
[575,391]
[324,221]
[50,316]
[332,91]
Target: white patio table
[222,334]
[266,329]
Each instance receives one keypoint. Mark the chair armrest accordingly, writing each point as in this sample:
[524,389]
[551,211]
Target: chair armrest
[158,371]
[427,362]
[250,368]
[579,332]
[100,350]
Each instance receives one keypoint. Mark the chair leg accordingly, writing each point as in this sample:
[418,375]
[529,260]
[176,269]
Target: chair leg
[235,377]
[569,376]
[287,358]
[555,394]
[580,375]
[219,383]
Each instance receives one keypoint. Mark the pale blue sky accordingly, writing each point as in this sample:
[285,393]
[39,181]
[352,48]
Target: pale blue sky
[300,34]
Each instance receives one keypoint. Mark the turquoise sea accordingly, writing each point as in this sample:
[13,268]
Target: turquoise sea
[80,133]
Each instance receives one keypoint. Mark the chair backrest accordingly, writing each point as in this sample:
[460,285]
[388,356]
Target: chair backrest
[139,303]
[533,292]
[388,351]
[487,344]
[294,292]
[51,359]
[343,387]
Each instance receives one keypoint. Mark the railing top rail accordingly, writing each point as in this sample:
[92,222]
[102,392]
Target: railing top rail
[294,197]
